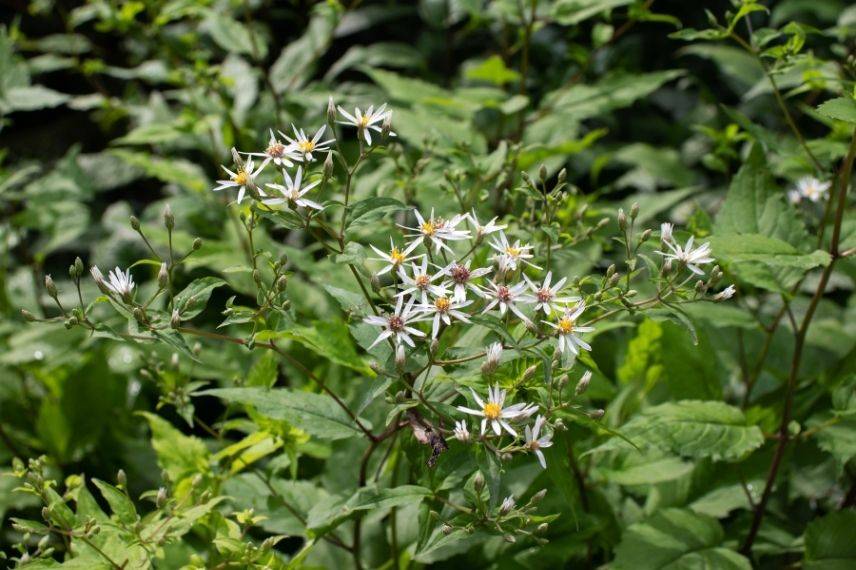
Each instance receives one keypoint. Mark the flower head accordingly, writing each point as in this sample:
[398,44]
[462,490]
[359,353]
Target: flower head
[242,178]
[420,283]
[536,443]
[483,230]
[688,255]
[567,330]
[462,433]
[507,505]
[444,310]
[493,354]
[293,191]
[462,276]
[494,411]
[666,232]
[509,256]
[277,152]
[437,230]
[397,325]
[118,282]
[547,298]
[366,122]
[809,188]
[725,294]
[303,147]
[396,257]
[506,297]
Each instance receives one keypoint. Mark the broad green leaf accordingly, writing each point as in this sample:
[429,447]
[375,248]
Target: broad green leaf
[329,339]
[232,35]
[121,505]
[181,456]
[294,66]
[676,539]
[756,248]
[331,513]
[317,414]
[192,299]
[30,98]
[692,428]
[381,54]
[492,70]
[369,210]
[571,12]
[842,109]
[830,542]
[647,469]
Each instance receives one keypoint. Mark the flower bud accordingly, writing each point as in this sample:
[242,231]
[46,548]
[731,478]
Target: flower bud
[563,379]
[542,528]
[478,482]
[175,319]
[331,111]
[666,232]
[542,174]
[196,481]
[601,223]
[78,266]
[446,529]
[257,276]
[634,210]
[163,276]
[139,314]
[197,243]
[71,322]
[135,223]
[386,126]
[610,271]
[622,220]
[168,218]
[400,357]
[493,355]
[28,316]
[509,538]
[631,293]
[50,286]
[596,414]
[645,236]
[530,372]
[563,175]
[582,385]
[196,349]
[699,286]
[121,478]
[160,500]
[538,497]
[281,283]
[328,165]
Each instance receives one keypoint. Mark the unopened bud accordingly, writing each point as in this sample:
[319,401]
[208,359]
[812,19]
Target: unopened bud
[610,271]
[386,126]
[596,414]
[135,223]
[197,243]
[542,174]
[613,280]
[542,528]
[582,385]
[446,529]
[530,372]
[699,286]
[163,276]
[331,112]
[46,513]
[257,276]
[50,286]
[400,357]
[168,218]
[78,266]
[71,322]
[509,538]
[563,379]
[634,210]
[121,478]
[160,500]
[563,175]
[601,223]
[478,482]
[28,315]
[197,349]
[631,293]
[538,497]
[328,165]
[175,319]
[197,480]
[622,220]
[281,283]
[139,314]
[645,236]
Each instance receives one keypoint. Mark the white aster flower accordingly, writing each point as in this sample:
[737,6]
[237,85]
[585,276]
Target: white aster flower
[444,309]
[493,354]
[509,256]
[421,282]
[483,230]
[725,294]
[303,146]
[118,282]
[692,257]
[276,152]
[396,257]
[367,122]
[462,433]
[567,330]
[535,443]
[493,411]
[293,192]
[243,178]
[809,188]
[461,276]
[666,232]
[437,230]
[397,325]
[547,298]
[506,298]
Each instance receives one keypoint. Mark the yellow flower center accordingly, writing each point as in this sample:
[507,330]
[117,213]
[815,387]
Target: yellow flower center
[306,146]
[364,121]
[422,281]
[428,228]
[491,411]
[566,325]
[442,304]
[241,178]
[512,251]
[396,256]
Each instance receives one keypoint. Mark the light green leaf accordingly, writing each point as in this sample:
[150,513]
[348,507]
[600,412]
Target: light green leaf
[293,68]
[492,70]
[329,514]
[830,542]
[329,339]
[756,248]
[571,12]
[842,109]
[30,98]
[232,35]
[193,298]
[179,455]
[121,505]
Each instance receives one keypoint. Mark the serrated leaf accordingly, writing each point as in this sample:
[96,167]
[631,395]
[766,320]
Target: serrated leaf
[830,542]
[192,299]
[842,109]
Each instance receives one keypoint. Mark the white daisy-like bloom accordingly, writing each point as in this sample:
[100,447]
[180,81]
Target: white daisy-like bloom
[396,257]
[507,505]
[692,257]
[495,412]
[437,230]
[567,330]
[493,354]
[506,297]
[536,443]
[276,152]
[509,256]
[366,122]
[462,433]
[666,232]
[303,147]
[483,230]
[397,325]
[809,188]
[420,283]
[292,192]
[119,282]
[244,177]
[462,276]
[547,298]
[725,294]
[444,310]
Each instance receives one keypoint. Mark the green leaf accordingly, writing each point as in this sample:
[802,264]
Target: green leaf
[571,12]
[181,456]
[329,514]
[232,35]
[676,538]
[329,339]
[492,70]
[830,542]
[317,414]
[842,109]
[294,66]
[193,298]
[756,248]
[263,373]
[119,502]
[369,210]
[647,469]
[30,98]
[692,428]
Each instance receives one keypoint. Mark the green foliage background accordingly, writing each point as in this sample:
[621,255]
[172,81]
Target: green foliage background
[729,429]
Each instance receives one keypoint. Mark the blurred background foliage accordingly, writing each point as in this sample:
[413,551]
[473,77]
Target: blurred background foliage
[109,109]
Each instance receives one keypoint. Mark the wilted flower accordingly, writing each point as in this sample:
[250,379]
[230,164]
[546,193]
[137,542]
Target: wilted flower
[507,505]
[444,309]
[493,355]
[545,297]
[509,256]
[396,257]
[725,294]
[493,411]
[365,123]
[567,330]
[397,324]
[437,230]
[420,283]
[692,257]
[809,188]
[243,178]
[462,433]
[506,297]
[304,146]
[462,276]
[292,191]
[276,152]
[536,443]
[666,232]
